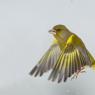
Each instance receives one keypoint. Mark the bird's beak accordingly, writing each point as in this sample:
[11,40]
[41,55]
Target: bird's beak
[52,31]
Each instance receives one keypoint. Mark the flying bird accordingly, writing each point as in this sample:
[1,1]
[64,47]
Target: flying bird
[66,57]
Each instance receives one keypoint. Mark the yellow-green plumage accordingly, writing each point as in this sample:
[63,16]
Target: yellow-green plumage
[66,56]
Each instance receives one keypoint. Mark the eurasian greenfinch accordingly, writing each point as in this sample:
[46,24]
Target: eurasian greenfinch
[66,56]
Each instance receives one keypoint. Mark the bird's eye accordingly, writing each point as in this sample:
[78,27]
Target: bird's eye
[58,29]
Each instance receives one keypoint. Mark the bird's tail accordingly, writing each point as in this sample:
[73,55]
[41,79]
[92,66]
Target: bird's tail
[92,60]
[93,65]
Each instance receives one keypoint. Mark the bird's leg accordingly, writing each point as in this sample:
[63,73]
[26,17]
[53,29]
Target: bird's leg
[82,70]
[77,73]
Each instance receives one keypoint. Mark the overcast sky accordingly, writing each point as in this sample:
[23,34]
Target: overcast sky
[24,38]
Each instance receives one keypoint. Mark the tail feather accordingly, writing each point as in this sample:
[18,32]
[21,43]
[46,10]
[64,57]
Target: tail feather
[92,60]
[93,65]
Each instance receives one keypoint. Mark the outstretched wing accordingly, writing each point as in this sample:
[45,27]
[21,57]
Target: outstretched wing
[72,58]
[47,61]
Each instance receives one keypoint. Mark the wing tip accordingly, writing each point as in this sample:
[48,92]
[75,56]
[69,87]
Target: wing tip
[33,70]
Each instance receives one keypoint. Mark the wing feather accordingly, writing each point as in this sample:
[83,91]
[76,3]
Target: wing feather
[70,61]
[70,65]
[65,62]
[55,70]
[47,61]
[61,73]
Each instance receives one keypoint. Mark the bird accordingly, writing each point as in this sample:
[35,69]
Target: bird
[66,57]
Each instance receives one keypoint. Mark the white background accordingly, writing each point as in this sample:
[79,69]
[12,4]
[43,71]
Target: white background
[24,38]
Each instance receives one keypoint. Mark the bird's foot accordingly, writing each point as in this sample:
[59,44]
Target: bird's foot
[77,73]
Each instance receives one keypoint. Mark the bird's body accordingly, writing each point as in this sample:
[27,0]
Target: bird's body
[66,56]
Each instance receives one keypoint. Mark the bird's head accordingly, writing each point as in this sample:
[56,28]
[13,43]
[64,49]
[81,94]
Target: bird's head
[58,29]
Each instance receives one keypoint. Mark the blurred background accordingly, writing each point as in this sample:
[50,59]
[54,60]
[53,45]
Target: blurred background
[24,38]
